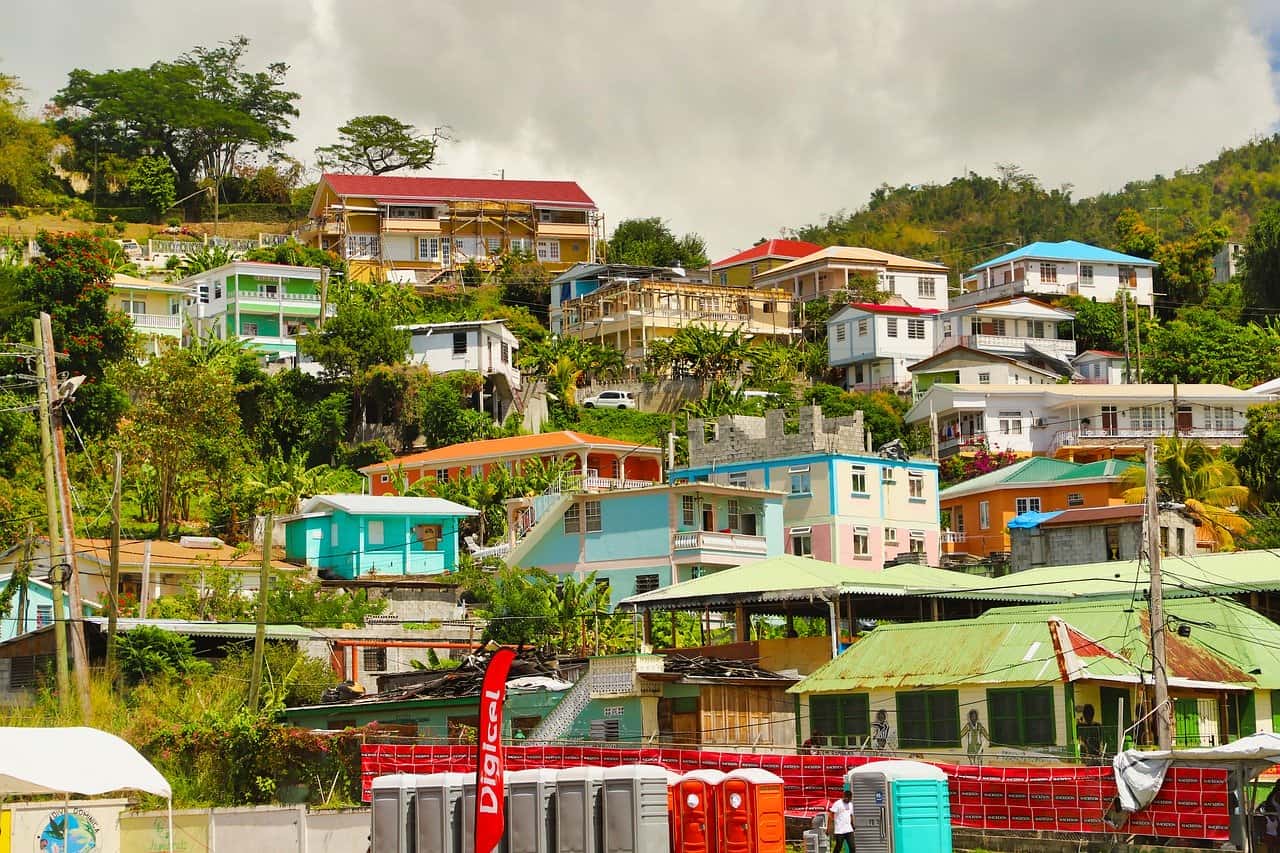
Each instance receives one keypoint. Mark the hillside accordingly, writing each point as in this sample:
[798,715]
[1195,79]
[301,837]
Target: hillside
[968,219]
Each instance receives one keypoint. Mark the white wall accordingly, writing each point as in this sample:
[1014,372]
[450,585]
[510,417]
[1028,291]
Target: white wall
[483,353]
[877,342]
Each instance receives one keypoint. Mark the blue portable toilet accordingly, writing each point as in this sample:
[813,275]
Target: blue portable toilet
[900,807]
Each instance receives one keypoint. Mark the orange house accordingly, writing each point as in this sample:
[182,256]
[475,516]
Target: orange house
[980,509]
[605,462]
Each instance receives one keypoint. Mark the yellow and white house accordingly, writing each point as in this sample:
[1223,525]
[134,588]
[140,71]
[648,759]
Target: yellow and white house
[740,268]
[417,230]
[156,309]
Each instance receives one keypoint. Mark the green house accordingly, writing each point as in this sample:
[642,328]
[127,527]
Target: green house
[267,305]
[351,536]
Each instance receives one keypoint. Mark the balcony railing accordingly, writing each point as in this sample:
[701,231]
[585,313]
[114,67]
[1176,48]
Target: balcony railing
[156,321]
[961,441]
[1005,343]
[1067,438]
[738,543]
[280,295]
[952,537]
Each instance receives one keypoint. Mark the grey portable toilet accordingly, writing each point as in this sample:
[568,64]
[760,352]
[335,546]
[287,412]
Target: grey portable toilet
[391,814]
[531,816]
[636,818]
[467,837]
[438,811]
[900,807]
[578,809]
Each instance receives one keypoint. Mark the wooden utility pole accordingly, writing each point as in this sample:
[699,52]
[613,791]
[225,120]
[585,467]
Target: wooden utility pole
[113,581]
[1159,672]
[260,635]
[51,510]
[27,549]
[75,609]
[1124,322]
[324,297]
[1137,336]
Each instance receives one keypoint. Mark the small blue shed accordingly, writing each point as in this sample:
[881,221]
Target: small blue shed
[351,536]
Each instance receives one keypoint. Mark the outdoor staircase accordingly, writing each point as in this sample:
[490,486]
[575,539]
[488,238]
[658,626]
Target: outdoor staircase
[545,508]
[557,724]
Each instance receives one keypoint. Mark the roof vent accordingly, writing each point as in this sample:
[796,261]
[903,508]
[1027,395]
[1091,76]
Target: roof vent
[207,543]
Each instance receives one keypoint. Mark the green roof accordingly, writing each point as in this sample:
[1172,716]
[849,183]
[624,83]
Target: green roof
[1017,645]
[790,578]
[1101,468]
[1037,469]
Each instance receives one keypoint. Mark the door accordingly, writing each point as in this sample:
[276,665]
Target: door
[314,538]
[1110,698]
[1186,723]
[708,517]
[1110,421]
[1183,420]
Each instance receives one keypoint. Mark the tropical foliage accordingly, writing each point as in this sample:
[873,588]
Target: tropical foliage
[1205,482]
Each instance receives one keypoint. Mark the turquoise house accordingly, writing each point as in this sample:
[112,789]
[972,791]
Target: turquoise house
[38,611]
[351,536]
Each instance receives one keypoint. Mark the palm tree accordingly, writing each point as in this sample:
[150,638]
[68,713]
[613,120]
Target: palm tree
[563,379]
[206,258]
[1205,482]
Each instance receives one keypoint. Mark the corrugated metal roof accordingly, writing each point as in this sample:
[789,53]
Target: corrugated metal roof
[384,505]
[1095,513]
[1066,250]
[409,188]
[769,249]
[497,449]
[238,630]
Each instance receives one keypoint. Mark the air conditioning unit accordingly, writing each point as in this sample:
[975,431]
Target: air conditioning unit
[1039,422]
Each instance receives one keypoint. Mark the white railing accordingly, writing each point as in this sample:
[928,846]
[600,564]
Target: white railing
[281,295]
[156,321]
[235,244]
[953,537]
[273,239]
[173,247]
[997,343]
[709,540]
[605,484]
[557,724]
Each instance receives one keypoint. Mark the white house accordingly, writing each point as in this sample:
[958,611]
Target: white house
[1059,269]
[267,305]
[829,272]
[876,344]
[964,365]
[1081,422]
[1101,367]
[486,347]
[1017,327]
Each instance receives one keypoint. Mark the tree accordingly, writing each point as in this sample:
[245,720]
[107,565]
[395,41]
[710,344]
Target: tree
[649,242]
[1208,484]
[147,652]
[1204,346]
[1258,460]
[201,112]
[151,182]
[444,413]
[377,144]
[1260,262]
[26,150]
[206,258]
[1186,266]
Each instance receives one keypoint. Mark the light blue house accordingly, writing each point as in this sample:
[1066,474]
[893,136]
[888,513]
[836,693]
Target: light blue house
[645,538]
[352,536]
[38,610]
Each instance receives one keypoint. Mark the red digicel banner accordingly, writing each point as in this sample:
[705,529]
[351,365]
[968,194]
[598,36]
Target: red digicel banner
[1192,803]
[490,799]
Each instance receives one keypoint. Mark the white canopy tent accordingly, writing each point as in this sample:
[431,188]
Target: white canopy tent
[76,760]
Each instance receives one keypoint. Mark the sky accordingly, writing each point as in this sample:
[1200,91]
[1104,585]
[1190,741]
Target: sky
[730,118]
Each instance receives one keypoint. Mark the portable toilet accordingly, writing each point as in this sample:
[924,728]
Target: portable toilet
[578,809]
[636,818]
[392,813]
[900,807]
[438,810]
[752,818]
[697,814]
[531,816]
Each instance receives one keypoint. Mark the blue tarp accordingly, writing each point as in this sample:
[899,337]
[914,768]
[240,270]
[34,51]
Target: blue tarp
[1032,519]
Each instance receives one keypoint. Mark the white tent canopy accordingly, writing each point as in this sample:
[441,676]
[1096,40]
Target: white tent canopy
[74,760]
[1140,773]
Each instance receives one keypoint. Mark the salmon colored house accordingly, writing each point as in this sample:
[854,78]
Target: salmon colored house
[605,462]
[980,509]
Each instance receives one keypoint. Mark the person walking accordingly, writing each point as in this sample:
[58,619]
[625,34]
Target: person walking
[840,822]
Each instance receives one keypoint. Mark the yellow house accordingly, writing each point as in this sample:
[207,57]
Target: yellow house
[738,270]
[154,307]
[417,230]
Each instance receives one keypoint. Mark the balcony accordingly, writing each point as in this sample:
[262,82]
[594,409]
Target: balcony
[277,295]
[952,537]
[1213,436]
[723,543]
[171,323]
[1005,344]
[406,225]
[1007,290]
[952,444]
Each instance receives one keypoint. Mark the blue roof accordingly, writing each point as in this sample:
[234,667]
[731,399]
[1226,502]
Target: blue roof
[1032,519]
[1067,250]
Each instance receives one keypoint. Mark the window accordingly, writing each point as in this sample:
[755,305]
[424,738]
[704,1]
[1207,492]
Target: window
[1097,370]
[925,285]
[1180,535]
[915,484]
[1049,273]
[1022,505]
[842,720]
[1086,275]
[373,660]
[363,245]
[739,479]
[506,353]
[573,518]
[442,475]
[861,542]
[522,245]
[891,326]
[1011,423]
[984,514]
[548,250]
[1222,418]
[724,278]
[1035,328]
[858,480]
[1075,499]
[735,515]
[755,270]
[928,719]
[646,583]
[594,521]
[862,328]
[493,244]
[1147,418]
[891,536]
[399,212]
[250,329]
[459,343]
[799,479]
[603,730]
[44,615]
[1128,276]
[801,542]
[857,374]
[888,284]
[1021,717]
[841,331]
[917,542]
[984,378]
[375,533]
[957,520]
[915,329]
[133,306]
[886,476]
[384,478]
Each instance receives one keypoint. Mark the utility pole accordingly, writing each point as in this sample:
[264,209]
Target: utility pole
[51,510]
[324,297]
[260,636]
[27,548]
[1137,336]
[113,581]
[75,614]
[1124,322]
[1159,673]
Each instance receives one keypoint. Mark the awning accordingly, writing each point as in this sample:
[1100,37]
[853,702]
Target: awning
[1032,519]
[1140,773]
[75,760]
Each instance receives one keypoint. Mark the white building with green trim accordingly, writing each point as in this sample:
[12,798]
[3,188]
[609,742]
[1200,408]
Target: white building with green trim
[267,305]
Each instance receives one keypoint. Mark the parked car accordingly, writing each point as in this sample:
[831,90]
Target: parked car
[611,400]
[131,248]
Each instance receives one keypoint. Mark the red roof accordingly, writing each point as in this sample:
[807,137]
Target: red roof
[494,449]
[1115,512]
[1104,352]
[771,249]
[876,308]
[395,188]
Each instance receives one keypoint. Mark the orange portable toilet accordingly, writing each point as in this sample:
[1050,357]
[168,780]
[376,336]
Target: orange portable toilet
[751,812]
[697,814]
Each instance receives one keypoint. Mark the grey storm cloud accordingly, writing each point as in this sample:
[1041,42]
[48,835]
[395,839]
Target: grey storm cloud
[733,119]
